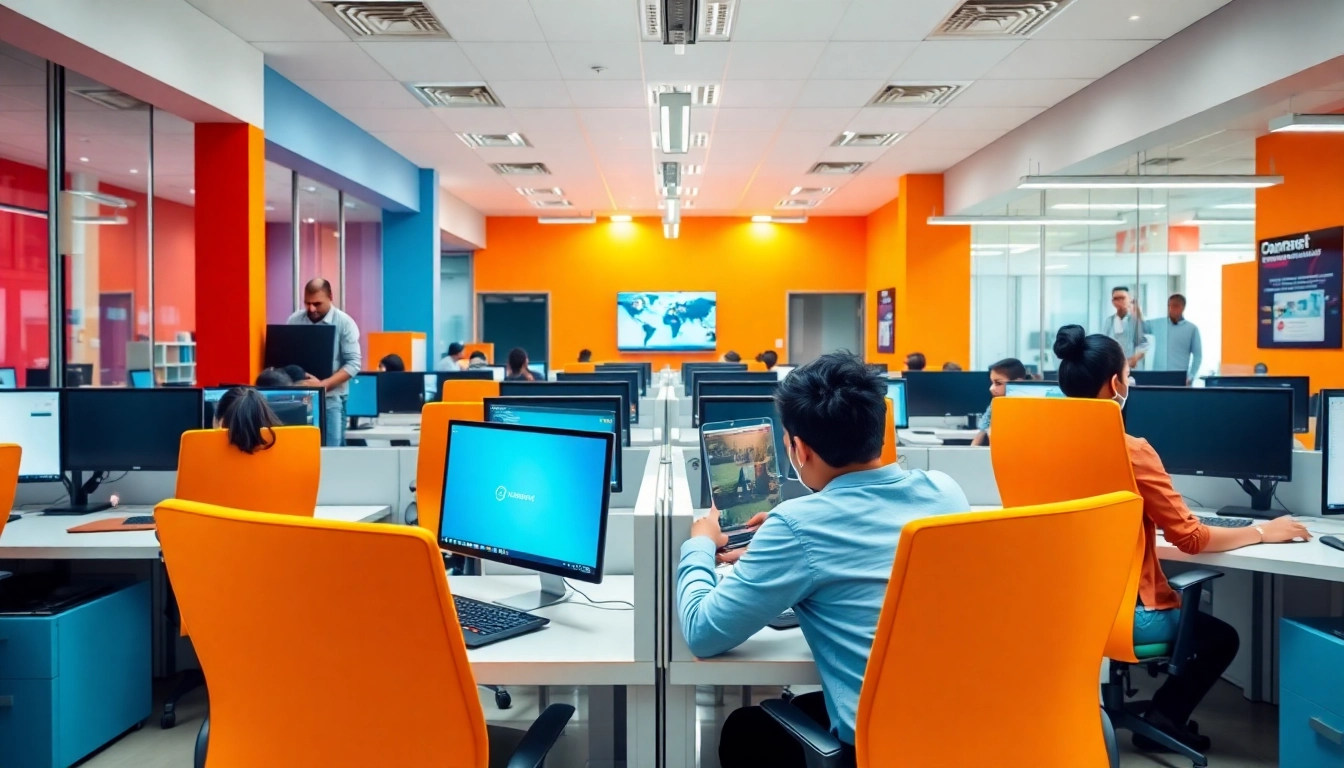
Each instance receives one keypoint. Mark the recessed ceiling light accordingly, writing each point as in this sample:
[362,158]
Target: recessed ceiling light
[1133,18]
[566,219]
[310,190]
[134,171]
[1307,124]
[83,159]
[1193,181]
[779,219]
[622,218]
[310,220]
[191,191]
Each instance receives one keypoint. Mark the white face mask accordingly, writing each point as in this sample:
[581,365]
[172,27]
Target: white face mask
[798,471]
[1119,398]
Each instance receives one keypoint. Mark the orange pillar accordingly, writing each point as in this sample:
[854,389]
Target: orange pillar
[930,268]
[230,252]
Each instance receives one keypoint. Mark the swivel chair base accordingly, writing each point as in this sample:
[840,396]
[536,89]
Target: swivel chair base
[1129,715]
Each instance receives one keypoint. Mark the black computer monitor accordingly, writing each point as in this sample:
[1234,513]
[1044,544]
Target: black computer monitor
[1330,428]
[484,374]
[699,375]
[629,377]
[729,389]
[581,416]
[294,406]
[401,391]
[896,391]
[31,418]
[619,389]
[879,367]
[643,377]
[712,408]
[1244,434]
[534,497]
[79,374]
[1159,378]
[309,346]
[1300,385]
[946,393]
[688,371]
[140,378]
[9,378]
[362,400]
[537,368]
[607,403]
[36,378]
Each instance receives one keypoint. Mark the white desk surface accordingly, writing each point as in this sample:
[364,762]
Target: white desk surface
[583,644]
[44,537]
[769,657]
[380,432]
[919,435]
[1309,559]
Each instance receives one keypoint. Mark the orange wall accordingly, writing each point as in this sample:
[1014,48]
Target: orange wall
[123,262]
[752,267]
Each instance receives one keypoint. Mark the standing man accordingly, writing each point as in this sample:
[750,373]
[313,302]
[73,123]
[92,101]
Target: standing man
[1184,349]
[1126,326]
[346,357]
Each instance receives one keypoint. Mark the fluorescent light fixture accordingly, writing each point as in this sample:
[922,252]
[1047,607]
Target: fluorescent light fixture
[192,192]
[1236,206]
[20,210]
[674,116]
[95,221]
[1217,222]
[101,198]
[1023,221]
[566,219]
[1056,266]
[310,220]
[1012,247]
[1108,206]
[1228,247]
[310,190]
[1307,124]
[622,218]
[671,230]
[1206,181]
[83,159]
[779,219]
[134,171]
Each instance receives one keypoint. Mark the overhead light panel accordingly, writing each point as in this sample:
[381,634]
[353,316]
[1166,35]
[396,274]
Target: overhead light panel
[702,95]
[1236,206]
[1206,181]
[674,119]
[853,139]
[1108,206]
[493,140]
[622,218]
[567,220]
[1023,221]
[811,191]
[540,191]
[1307,124]
[779,219]
[837,169]
[1220,222]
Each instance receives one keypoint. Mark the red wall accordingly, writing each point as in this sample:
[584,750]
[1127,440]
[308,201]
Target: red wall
[24,329]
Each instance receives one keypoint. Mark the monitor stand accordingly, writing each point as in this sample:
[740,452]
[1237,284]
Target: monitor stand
[79,498]
[1262,498]
[358,423]
[553,590]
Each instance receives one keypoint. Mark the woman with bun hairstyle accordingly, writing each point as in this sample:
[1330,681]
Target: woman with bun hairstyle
[1095,367]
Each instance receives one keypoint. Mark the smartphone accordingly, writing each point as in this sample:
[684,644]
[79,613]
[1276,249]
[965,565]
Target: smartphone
[739,461]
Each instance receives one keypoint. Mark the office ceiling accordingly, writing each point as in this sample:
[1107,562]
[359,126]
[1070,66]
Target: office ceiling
[574,77]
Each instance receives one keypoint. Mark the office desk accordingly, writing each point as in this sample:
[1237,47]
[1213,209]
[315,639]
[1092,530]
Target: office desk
[926,436]
[409,432]
[1310,559]
[769,657]
[44,537]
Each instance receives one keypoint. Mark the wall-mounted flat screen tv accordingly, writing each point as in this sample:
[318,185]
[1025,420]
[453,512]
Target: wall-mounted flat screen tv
[666,321]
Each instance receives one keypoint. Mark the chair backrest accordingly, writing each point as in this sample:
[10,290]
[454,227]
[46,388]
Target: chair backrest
[433,453]
[281,480]
[468,390]
[889,454]
[295,620]
[1047,450]
[10,456]
[756,366]
[580,368]
[972,592]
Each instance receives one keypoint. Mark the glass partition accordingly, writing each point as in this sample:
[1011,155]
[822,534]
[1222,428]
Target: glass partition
[319,235]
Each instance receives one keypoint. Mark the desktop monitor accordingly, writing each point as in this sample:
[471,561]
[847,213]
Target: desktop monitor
[36,378]
[643,377]
[517,410]
[484,374]
[688,371]
[606,403]
[120,430]
[141,378]
[362,400]
[1032,389]
[736,408]
[629,377]
[31,418]
[309,346]
[79,374]
[1331,423]
[717,374]
[294,406]
[537,369]
[534,497]
[1159,378]
[944,393]
[879,367]
[620,389]
[1300,385]
[896,391]
[401,392]
[783,370]
[497,372]
[9,378]
[729,389]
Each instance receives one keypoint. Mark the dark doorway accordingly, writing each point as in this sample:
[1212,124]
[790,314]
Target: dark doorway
[511,320]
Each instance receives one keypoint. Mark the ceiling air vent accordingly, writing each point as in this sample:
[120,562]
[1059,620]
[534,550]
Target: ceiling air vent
[686,22]
[852,139]
[916,94]
[837,168]
[651,20]
[1161,162]
[541,192]
[110,98]
[701,95]
[998,18]
[493,140]
[811,191]
[552,204]
[716,20]
[385,18]
[797,204]
[521,169]
[455,94]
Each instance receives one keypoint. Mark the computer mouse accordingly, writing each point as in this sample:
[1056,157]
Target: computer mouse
[1333,541]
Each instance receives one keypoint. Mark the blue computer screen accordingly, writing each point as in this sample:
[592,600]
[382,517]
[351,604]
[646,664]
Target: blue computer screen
[8,380]
[525,495]
[363,398]
[142,379]
[537,369]
[294,406]
[1032,389]
[896,391]
[562,418]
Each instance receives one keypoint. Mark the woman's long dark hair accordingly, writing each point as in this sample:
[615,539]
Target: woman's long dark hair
[249,418]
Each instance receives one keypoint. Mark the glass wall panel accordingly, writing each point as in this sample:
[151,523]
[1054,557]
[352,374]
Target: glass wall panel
[364,269]
[319,236]
[281,293]
[175,244]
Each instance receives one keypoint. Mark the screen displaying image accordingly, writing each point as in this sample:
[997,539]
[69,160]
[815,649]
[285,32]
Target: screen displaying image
[666,320]
[1032,389]
[743,470]
[1299,316]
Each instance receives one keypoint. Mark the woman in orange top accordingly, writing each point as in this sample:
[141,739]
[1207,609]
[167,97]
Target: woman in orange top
[1095,366]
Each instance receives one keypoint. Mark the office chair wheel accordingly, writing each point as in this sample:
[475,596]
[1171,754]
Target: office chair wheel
[502,699]
[168,720]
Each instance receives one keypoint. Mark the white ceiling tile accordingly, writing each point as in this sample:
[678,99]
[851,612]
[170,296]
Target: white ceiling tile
[440,61]
[531,94]
[883,20]
[884,119]
[271,21]
[408,120]
[1078,59]
[846,60]
[899,162]
[321,61]
[555,141]
[838,93]
[832,121]
[367,94]
[619,61]
[702,119]
[787,20]
[512,61]
[802,140]
[980,118]
[760,120]
[496,21]
[704,62]
[747,94]
[624,140]
[1019,93]
[607,93]
[1158,19]
[773,61]
[478,119]
[941,60]
[852,154]
[538,120]
[587,20]
[617,121]
[927,138]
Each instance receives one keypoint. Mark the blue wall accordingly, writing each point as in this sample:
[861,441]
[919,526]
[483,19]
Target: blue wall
[411,265]
[306,135]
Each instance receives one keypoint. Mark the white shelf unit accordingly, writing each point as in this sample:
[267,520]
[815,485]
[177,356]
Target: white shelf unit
[173,362]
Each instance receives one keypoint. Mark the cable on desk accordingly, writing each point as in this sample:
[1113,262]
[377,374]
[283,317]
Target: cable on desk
[1193,501]
[598,603]
[1281,504]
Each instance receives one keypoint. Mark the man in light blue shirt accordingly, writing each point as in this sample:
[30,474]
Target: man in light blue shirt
[828,555]
[346,355]
[1126,326]
[1185,351]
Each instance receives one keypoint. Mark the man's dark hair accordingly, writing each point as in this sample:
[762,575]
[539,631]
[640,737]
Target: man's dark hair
[318,285]
[585,355]
[915,361]
[837,405]
[1124,288]
[392,363]
[517,360]
[477,354]
[731,357]
[274,377]
[295,373]
[769,358]
[1177,297]
[1011,368]
[455,348]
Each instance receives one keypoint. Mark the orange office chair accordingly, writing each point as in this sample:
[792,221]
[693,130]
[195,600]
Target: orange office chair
[10,456]
[580,368]
[431,456]
[889,454]
[286,612]
[1052,449]
[756,366]
[485,348]
[958,605]
[468,390]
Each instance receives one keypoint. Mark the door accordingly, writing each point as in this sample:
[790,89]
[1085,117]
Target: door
[114,330]
[511,320]
[824,322]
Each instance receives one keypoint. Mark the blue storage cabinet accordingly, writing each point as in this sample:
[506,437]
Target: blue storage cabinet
[1311,693]
[72,682]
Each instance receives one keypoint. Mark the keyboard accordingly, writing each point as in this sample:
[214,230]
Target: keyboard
[1226,522]
[139,520]
[485,623]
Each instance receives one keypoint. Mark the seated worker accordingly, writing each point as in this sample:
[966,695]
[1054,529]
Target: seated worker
[477,361]
[915,361]
[731,356]
[585,356]
[770,359]
[1095,366]
[248,417]
[299,376]
[452,359]
[951,366]
[1000,373]
[517,369]
[273,378]
[391,363]
[828,555]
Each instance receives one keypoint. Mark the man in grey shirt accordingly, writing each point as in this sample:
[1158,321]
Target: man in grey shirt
[1185,351]
[346,356]
[1126,326]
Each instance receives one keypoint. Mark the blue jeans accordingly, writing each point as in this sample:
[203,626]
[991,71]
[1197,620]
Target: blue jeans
[1155,626]
[334,420]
